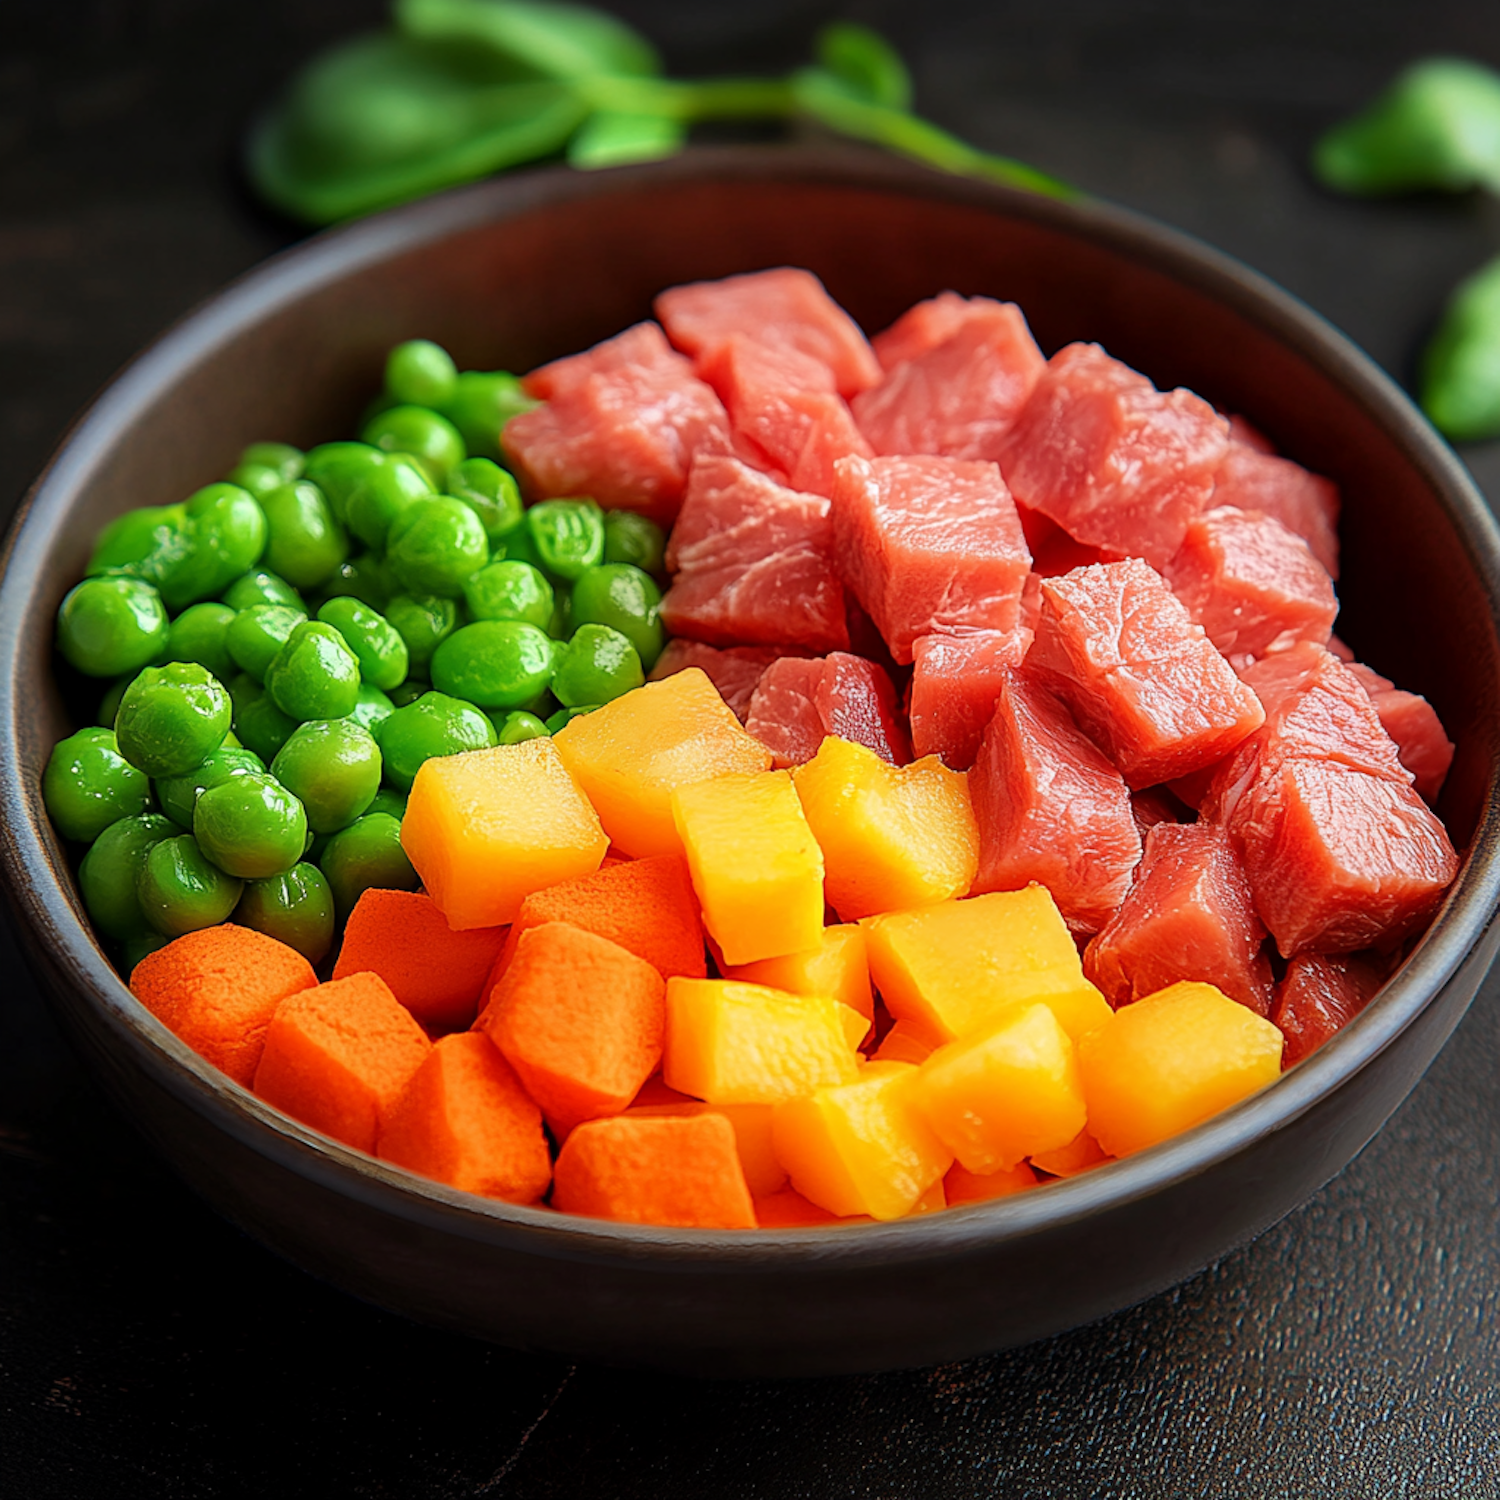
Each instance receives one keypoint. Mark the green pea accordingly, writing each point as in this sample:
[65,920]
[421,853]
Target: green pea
[434,724]
[180,891]
[110,625]
[140,945]
[367,855]
[371,708]
[227,533]
[338,469]
[250,826]
[560,626]
[598,664]
[366,578]
[491,493]
[283,457]
[306,542]
[567,715]
[333,766]
[388,800]
[482,403]
[508,590]
[420,373]
[255,636]
[429,438]
[494,663]
[259,479]
[519,726]
[109,871]
[295,908]
[435,546]
[409,692]
[624,597]
[257,721]
[629,538]
[382,494]
[197,634]
[88,785]
[172,718]
[424,622]
[147,543]
[315,675]
[568,535]
[376,643]
[109,705]
[519,547]
[178,795]
[260,586]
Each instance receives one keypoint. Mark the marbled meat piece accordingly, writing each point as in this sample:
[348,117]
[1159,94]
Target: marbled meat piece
[954,683]
[734,670]
[922,327]
[1303,502]
[1411,721]
[1319,995]
[798,702]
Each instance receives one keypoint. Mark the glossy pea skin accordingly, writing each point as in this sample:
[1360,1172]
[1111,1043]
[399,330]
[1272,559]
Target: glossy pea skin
[492,494]
[483,401]
[140,945]
[568,535]
[388,800]
[435,546]
[560,626]
[261,586]
[88,785]
[227,532]
[295,908]
[286,460]
[179,891]
[305,540]
[197,634]
[519,726]
[178,795]
[250,826]
[625,598]
[146,543]
[333,767]
[338,469]
[108,874]
[434,724]
[259,479]
[566,716]
[172,718]
[315,675]
[494,664]
[376,643]
[596,665]
[109,704]
[423,434]
[424,622]
[629,538]
[409,692]
[381,495]
[371,708]
[508,590]
[420,373]
[367,855]
[112,624]
[255,635]
[366,578]
[261,726]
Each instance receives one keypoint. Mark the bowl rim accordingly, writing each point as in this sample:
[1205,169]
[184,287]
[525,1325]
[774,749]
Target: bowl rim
[42,902]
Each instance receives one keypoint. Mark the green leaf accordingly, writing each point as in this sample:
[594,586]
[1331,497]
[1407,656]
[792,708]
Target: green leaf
[1461,366]
[614,140]
[864,61]
[1436,127]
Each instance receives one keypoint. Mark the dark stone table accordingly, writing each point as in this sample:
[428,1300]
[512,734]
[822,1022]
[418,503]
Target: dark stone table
[146,1349]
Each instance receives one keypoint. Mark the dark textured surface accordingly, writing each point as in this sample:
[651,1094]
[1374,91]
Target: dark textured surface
[148,1349]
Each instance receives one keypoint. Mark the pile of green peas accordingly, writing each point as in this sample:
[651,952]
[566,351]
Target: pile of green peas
[289,645]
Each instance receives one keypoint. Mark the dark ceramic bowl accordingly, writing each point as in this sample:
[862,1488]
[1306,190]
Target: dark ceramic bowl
[513,272]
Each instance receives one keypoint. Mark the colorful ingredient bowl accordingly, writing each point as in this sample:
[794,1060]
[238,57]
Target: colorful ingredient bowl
[517,271]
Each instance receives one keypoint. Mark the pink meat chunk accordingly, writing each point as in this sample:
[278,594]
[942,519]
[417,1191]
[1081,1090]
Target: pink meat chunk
[1319,995]
[641,347]
[1246,434]
[734,671]
[785,307]
[1050,808]
[753,563]
[1250,583]
[1157,804]
[959,398]
[1116,463]
[929,546]
[1118,647]
[1412,722]
[954,683]
[922,327]
[798,702]
[1189,915]
[1303,502]
[624,433]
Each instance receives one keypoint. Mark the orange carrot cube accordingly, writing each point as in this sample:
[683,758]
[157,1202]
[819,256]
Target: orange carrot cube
[1081,1153]
[838,966]
[788,1209]
[963,1186]
[752,1137]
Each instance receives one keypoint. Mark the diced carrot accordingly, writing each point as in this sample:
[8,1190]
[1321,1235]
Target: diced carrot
[218,989]
[752,1137]
[337,1057]
[678,1170]
[464,1119]
[654,1091]
[580,1019]
[788,1209]
[963,1186]
[435,972]
[1081,1153]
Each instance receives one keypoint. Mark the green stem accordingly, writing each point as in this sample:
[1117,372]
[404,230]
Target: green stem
[673,99]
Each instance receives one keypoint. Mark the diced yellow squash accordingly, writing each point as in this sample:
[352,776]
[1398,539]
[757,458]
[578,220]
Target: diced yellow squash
[1081,1153]
[907,1041]
[838,966]
[630,756]
[1171,1061]
[956,967]
[892,836]
[860,1147]
[754,864]
[487,828]
[961,1186]
[732,1043]
[764,1175]
[998,1096]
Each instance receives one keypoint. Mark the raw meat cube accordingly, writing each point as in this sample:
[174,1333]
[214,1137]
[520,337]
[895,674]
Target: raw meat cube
[641,347]
[921,328]
[954,683]
[798,702]
[929,546]
[1154,805]
[1305,503]
[1246,434]
[734,671]
[1412,722]
[1319,996]
[1115,462]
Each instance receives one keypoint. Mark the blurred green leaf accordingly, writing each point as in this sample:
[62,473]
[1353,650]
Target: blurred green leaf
[613,140]
[866,63]
[1461,366]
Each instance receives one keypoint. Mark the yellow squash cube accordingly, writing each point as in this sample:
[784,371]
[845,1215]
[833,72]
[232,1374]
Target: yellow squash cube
[487,828]
[956,967]
[1079,1155]
[838,966]
[892,836]
[630,756]
[754,862]
[1170,1061]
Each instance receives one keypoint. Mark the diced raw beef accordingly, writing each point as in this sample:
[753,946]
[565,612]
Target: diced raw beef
[1189,915]
[734,670]
[1250,583]
[1060,554]
[1319,996]
[1303,502]
[929,546]
[1157,804]
[1340,649]
[921,327]
[625,433]
[784,411]
[785,307]
[798,702]
[1050,808]
[959,398]
[753,563]
[641,347]
[1244,432]
[1115,462]
[1140,677]
[1412,722]
[954,683]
